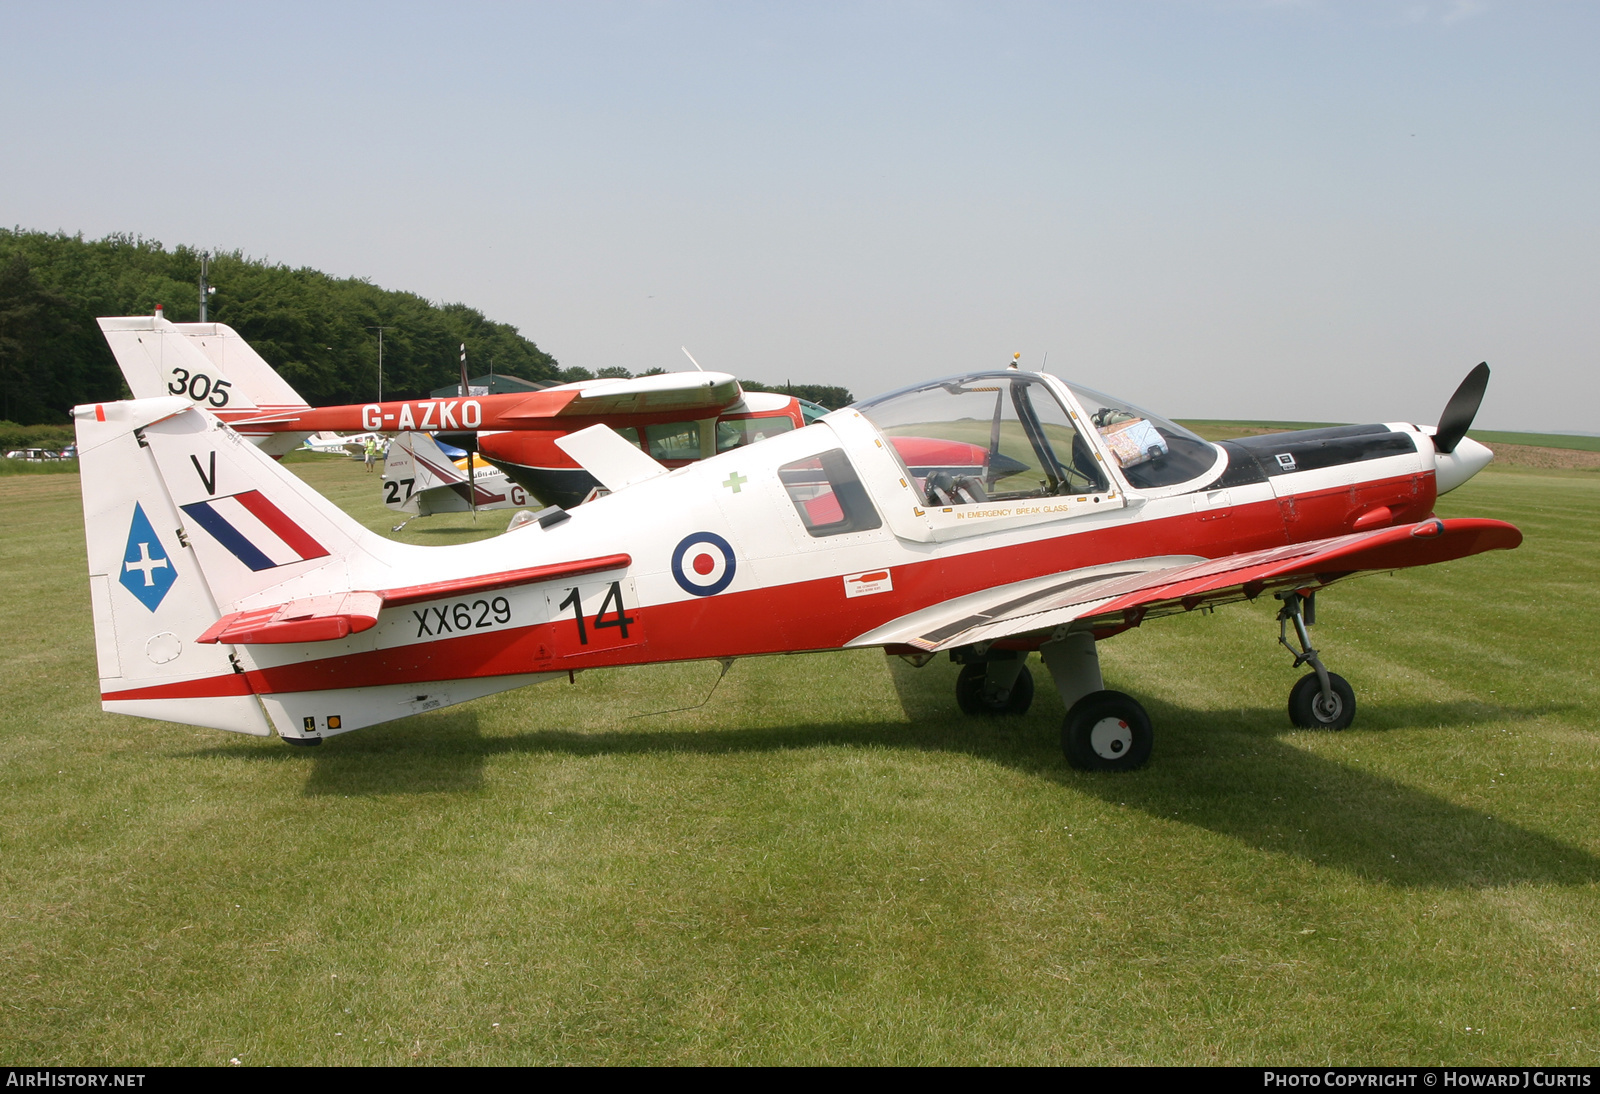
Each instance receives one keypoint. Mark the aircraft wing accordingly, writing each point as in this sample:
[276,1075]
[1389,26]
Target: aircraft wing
[707,392]
[1113,597]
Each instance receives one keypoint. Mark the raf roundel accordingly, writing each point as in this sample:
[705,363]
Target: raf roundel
[703,564]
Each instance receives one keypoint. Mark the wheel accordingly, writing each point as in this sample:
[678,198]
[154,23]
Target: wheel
[971,699]
[1107,731]
[1308,711]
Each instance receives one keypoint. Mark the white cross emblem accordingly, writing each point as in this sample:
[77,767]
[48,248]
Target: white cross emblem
[146,564]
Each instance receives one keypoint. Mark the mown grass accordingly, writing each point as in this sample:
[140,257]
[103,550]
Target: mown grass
[38,467]
[825,862]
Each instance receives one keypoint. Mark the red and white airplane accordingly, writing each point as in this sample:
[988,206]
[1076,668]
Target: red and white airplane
[1046,517]
[677,417]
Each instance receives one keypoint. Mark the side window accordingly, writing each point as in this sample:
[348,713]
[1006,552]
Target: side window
[673,441]
[743,431]
[627,433]
[828,496]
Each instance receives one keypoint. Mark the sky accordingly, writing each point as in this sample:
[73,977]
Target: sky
[1296,211]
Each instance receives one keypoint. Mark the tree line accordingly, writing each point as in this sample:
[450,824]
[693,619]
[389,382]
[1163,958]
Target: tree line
[318,331]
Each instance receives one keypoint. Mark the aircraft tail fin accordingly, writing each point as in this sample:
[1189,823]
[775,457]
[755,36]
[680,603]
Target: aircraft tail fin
[416,464]
[187,522]
[209,364]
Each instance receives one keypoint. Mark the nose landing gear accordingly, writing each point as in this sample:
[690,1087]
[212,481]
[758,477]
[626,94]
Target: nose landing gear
[1321,699]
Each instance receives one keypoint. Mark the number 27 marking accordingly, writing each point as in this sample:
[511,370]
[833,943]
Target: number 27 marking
[611,613]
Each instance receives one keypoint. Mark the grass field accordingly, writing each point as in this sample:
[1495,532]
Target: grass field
[827,863]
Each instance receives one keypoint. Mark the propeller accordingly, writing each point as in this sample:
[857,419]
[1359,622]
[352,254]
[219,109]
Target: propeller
[472,475]
[1461,409]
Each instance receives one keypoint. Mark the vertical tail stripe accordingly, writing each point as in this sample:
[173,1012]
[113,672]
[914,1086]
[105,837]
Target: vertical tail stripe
[225,534]
[282,527]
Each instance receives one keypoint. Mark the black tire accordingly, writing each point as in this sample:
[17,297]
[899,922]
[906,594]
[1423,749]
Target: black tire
[971,699]
[1107,731]
[1307,710]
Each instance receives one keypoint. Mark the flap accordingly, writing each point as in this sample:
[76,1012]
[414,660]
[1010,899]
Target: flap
[602,452]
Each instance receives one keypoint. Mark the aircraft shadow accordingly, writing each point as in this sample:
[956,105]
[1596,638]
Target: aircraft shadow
[447,757]
[1237,773]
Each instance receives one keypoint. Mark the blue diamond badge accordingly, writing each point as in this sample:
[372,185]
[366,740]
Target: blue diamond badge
[147,572]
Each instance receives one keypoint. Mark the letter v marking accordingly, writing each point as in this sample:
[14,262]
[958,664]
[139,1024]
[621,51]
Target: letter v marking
[208,481]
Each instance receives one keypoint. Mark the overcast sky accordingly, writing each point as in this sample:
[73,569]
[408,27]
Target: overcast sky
[1306,211]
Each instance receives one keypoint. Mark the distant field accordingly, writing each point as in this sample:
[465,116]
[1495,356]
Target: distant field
[1217,429]
[1537,440]
[1223,430]
[827,863]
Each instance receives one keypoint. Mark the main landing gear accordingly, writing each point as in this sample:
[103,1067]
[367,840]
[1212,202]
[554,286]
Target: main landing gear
[1320,699]
[1110,731]
[1103,731]
[993,681]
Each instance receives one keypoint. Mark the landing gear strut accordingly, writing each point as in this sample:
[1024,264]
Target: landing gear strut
[1321,699]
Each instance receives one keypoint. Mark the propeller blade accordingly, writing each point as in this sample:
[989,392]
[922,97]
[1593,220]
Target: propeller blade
[472,453]
[1461,409]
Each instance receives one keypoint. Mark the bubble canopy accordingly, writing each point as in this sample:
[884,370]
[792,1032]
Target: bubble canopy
[1007,434]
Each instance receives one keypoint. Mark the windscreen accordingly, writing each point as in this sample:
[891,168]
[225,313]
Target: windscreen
[1151,451]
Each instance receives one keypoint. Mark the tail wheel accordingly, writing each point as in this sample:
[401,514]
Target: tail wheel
[973,699]
[1107,731]
[1309,710]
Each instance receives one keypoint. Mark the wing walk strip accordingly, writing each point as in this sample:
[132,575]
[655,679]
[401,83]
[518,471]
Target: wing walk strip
[933,638]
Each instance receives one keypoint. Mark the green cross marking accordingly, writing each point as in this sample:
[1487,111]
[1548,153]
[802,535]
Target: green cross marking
[735,481]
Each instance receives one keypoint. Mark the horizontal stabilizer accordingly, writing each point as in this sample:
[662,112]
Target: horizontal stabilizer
[314,619]
[601,451]
[339,615]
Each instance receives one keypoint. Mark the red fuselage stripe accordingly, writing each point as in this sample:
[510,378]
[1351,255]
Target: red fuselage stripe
[209,687]
[815,614]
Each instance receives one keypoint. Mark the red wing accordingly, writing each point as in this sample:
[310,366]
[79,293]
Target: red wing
[1115,601]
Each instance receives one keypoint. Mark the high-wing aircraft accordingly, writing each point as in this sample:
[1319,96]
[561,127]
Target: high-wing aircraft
[676,417]
[1031,515]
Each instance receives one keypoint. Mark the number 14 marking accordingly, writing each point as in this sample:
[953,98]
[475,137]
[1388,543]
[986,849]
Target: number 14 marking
[611,613]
